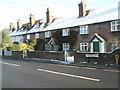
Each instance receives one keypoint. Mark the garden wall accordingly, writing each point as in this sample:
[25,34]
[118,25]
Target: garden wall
[46,55]
[17,54]
[101,58]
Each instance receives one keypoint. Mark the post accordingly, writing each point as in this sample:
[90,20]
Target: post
[117,59]
[65,56]
[23,54]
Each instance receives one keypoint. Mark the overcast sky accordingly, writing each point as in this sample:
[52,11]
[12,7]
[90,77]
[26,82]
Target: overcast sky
[12,10]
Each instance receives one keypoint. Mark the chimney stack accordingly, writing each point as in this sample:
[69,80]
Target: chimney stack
[12,26]
[49,17]
[82,9]
[19,24]
[32,20]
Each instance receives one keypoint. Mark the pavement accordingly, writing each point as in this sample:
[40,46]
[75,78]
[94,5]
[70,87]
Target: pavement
[80,64]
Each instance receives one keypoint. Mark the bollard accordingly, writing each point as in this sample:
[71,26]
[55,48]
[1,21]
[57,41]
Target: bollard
[117,59]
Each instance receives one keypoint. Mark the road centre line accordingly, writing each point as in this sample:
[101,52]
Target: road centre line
[70,75]
[10,64]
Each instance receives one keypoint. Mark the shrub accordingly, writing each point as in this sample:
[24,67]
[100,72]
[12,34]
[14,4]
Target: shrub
[14,47]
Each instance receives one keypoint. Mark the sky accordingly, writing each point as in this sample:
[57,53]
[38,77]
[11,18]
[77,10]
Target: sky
[12,10]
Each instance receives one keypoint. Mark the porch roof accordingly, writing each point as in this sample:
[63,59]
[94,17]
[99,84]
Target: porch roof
[98,37]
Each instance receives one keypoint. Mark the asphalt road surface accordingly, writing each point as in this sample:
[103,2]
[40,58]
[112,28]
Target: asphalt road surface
[29,74]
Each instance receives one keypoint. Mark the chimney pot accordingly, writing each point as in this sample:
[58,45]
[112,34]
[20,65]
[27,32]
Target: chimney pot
[12,27]
[32,20]
[49,17]
[82,8]
[19,24]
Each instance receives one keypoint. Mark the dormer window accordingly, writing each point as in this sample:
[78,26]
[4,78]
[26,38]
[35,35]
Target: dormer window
[66,32]
[47,34]
[115,25]
[84,30]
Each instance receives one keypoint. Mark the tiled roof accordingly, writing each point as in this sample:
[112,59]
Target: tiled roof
[95,16]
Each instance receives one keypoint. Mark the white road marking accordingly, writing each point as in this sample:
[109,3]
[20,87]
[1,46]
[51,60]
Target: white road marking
[76,67]
[70,75]
[111,71]
[89,68]
[10,64]
[69,66]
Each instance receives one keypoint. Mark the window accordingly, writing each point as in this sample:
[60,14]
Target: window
[21,38]
[12,39]
[83,46]
[115,25]
[15,39]
[65,32]
[84,30]
[47,34]
[37,35]
[66,46]
[28,36]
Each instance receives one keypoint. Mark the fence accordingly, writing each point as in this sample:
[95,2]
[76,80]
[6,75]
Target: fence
[7,53]
[0,52]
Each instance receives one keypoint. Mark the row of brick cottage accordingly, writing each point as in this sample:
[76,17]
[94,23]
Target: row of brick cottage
[96,30]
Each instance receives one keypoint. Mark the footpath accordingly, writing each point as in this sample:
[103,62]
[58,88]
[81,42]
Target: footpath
[80,64]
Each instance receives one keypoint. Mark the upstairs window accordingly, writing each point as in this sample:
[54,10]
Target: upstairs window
[21,38]
[28,36]
[65,32]
[115,25]
[83,46]
[47,34]
[84,30]
[37,35]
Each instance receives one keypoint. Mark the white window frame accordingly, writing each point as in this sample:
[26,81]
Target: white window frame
[66,32]
[84,46]
[114,25]
[84,29]
[66,46]
[37,35]
[15,38]
[47,34]
[21,38]
[28,36]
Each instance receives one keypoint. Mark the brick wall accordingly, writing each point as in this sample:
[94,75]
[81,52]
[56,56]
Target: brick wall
[32,36]
[18,54]
[46,55]
[104,58]
[42,35]
[103,29]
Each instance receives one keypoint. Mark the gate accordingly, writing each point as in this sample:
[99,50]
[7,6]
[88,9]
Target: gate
[69,56]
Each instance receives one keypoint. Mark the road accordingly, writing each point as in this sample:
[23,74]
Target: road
[29,74]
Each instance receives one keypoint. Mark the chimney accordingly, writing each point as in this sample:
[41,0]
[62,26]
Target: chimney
[19,24]
[12,26]
[82,9]
[32,20]
[49,17]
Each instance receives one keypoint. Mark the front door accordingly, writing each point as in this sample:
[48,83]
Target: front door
[95,46]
